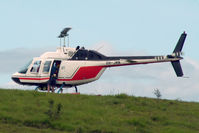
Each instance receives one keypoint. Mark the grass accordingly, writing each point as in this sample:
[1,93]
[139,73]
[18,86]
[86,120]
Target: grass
[36,112]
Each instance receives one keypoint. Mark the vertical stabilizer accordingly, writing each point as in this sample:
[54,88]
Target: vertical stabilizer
[180,43]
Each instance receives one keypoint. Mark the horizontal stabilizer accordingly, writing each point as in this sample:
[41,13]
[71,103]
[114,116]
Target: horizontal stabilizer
[177,67]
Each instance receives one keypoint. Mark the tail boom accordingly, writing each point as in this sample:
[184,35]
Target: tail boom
[174,58]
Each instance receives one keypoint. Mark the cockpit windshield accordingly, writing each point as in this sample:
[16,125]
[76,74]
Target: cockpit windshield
[25,68]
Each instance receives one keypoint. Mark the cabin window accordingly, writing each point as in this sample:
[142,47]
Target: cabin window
[46,66]
[35,67]
[24,69]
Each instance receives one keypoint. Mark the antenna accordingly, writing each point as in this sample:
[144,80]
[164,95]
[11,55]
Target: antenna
[63,34]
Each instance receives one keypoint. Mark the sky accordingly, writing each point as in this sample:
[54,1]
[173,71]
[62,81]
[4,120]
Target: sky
[117,27]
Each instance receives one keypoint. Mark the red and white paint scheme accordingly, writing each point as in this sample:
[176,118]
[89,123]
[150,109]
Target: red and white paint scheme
[77,66]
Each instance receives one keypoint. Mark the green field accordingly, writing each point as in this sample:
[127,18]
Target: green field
[36,112]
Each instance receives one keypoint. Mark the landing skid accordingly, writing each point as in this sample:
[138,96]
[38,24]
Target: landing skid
[76,91]
[37,88]
[61,89]
[40,89]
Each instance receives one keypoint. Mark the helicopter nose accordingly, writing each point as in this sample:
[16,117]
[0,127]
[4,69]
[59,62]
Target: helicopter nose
[15,79]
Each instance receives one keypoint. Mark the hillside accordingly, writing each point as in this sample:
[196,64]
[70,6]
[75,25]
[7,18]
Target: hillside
[36,112]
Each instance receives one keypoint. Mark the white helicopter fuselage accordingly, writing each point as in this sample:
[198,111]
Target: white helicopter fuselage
[80,66]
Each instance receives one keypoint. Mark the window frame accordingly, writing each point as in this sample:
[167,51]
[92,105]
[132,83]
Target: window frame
[38,68]
[49,66]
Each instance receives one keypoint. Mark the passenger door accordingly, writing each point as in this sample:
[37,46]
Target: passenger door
[47,64]
[55,68]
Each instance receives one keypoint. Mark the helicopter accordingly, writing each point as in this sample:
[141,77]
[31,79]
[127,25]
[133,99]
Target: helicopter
[78,66]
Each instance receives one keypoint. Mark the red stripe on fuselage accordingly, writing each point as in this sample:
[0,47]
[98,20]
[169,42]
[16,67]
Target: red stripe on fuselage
[83,73]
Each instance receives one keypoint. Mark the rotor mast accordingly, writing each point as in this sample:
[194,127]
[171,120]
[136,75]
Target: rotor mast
[64,34]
